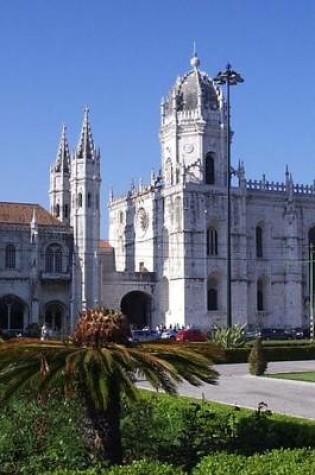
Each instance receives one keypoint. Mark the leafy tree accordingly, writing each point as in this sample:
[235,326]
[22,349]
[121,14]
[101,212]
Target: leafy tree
[100,364]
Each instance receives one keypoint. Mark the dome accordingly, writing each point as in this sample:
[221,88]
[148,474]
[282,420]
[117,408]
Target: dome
[190,87]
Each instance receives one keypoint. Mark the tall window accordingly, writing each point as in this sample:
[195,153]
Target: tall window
[66,211]
[57,210]
[166,296]
[311,245]
[260,296]
[209,169]
[212,242]
[166,243]
[53,258]
[212,293]
[259,242]
[80,200]
[212,299]
[10,256]
[89,200]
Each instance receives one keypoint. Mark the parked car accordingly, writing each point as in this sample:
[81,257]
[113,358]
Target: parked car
[169,334]
[276,334]
[145,335]
[297,333]
[7,334]
[191,334]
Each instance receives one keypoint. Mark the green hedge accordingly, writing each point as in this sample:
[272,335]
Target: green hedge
[138,467]
[282,462]
[273,353]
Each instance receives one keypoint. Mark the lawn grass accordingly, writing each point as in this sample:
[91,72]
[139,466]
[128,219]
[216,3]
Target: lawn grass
[308,376]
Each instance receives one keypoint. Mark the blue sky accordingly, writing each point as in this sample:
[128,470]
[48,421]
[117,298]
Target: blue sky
[120,57]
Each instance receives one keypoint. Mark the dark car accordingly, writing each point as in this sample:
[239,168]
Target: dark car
[7,334]
[191,334]
[145,335]
[276,334]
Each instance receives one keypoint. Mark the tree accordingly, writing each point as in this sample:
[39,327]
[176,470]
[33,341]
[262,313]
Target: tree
[100,365]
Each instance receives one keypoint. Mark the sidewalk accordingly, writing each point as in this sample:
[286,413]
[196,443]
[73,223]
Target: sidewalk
[236,386]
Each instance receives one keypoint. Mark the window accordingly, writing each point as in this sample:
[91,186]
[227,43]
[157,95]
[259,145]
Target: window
[259,242]
[260,296]
[80,200]
[166,294]
[10,256]
[209,169]
[53,258]
[311,245]
[166,243]
[66,211]
[212,242]
[212,299]
[89,200]
[57,211]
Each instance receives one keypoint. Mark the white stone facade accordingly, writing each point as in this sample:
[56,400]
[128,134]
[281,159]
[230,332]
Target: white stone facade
[174,230]
[50,267]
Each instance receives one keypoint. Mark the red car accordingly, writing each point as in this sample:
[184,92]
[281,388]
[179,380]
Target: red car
[191,334]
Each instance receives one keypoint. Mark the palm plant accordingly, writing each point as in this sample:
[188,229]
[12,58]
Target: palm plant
[99,364]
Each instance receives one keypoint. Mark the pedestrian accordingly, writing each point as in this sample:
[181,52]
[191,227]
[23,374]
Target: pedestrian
[44,332]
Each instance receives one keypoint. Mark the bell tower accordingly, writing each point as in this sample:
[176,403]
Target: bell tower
[85,216]
[193,131]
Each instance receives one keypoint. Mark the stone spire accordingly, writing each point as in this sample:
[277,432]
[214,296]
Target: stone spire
[85,148]
[63,154]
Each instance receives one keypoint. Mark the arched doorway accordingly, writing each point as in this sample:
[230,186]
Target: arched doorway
[12,312]
[55,316]
[136,305]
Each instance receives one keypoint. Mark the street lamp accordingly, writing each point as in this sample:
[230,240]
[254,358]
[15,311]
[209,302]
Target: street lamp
[230,78]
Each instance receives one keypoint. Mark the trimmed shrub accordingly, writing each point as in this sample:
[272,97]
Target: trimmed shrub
[257,359]
[276,462]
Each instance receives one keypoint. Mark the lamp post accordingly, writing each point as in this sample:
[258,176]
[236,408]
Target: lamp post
[230,78]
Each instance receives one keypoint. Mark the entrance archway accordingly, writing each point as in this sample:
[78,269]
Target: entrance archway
[54,316]
[12,310]
[136,305]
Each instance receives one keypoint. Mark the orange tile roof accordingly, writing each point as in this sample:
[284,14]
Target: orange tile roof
[22,213]
[105,245]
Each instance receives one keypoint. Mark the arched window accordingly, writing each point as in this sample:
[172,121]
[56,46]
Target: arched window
[212,242]
[209,178]
[212,293]
[259,241]
[166,243]
[212,299]
[89,200]
[58,259]
[10,256]
[66,211]
[260,296]
[80,201]
[57,210]
[53,258]
[166,294]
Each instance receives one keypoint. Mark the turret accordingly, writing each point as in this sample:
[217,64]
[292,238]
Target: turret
[60,181]
[85,214]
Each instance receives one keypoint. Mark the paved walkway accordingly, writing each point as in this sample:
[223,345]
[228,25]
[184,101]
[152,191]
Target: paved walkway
[236,386]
